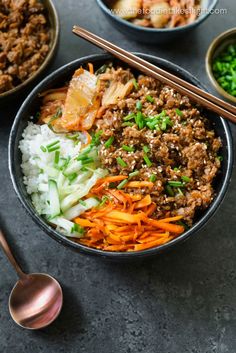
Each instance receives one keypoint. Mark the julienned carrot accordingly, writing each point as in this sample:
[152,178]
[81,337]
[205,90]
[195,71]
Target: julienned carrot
[151,209]
[171,219]
[173,228]
[84,222]
[155,234]
[124,217]
[111,239]
[138,247]
[146,201]
[117,247]
[120,197]
[91,68]
[127,238]
[102,183]
[123,222]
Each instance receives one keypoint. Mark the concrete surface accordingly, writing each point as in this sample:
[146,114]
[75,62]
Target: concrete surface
[180,302]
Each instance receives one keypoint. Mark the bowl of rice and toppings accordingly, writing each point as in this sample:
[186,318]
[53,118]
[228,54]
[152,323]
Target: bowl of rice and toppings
[156,21]
[111,162]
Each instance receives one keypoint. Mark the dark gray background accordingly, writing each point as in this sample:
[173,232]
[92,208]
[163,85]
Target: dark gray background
[180,302]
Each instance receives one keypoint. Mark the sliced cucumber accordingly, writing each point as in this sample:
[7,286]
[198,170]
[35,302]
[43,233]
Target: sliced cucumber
[53,199]
[78,209]
[68,227]
[51,172]
[73,167]
[83,190]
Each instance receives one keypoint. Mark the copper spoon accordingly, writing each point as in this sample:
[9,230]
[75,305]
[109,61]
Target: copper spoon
[36,299]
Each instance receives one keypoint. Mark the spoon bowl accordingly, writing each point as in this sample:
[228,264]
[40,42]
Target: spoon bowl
[35,301]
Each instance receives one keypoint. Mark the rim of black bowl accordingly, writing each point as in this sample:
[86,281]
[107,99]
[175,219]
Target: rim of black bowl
[82,248]
[200,19]
[47,60]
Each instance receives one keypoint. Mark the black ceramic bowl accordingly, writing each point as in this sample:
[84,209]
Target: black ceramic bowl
[30,107]
[155,35]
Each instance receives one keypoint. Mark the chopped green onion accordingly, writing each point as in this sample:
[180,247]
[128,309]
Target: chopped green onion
[84,169]
[73,137]
[150,99]
[180,191]
[186,179]
[127,124]
[37,116]
[168,121]
[163,125]
[147,161]
[151,124]
[129,117]
[82,157]
[96,138]
[176,184]
[53,144]
[183,224]
[122,184]
[133,174]
[146,149]
[121,162]
[54,117]
[72,177]
[220,158]
[153,178]
[169,190]
[127,148]
[135,83]
[43,148]
[77,229]
[53,148]
[162,114]
[86,150]
[109,142]
[101,70]
[139,105]
[82,202]
[57,156]
[87,160]
[104,200]
[67,161]
[176,169]
[178,112]
[61,163]
[139,120]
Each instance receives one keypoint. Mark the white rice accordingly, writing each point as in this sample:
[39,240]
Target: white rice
[35,161]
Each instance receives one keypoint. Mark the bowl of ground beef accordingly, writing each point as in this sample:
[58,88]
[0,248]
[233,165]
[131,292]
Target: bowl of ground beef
[191,150]
[29,32]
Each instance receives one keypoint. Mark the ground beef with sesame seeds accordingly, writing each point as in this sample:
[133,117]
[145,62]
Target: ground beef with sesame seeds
[24,41]
[181,148]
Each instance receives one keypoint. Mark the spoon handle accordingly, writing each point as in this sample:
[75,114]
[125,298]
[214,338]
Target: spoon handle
[7,250]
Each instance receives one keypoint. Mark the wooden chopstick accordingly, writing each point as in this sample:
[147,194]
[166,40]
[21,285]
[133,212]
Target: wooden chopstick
[206,99]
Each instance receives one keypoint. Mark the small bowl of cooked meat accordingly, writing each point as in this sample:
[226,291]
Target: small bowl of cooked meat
[156,21]
[128,169]
[29,32]
[221,64]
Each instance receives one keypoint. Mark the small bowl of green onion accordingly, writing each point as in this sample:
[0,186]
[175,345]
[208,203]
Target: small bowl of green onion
[221,64]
